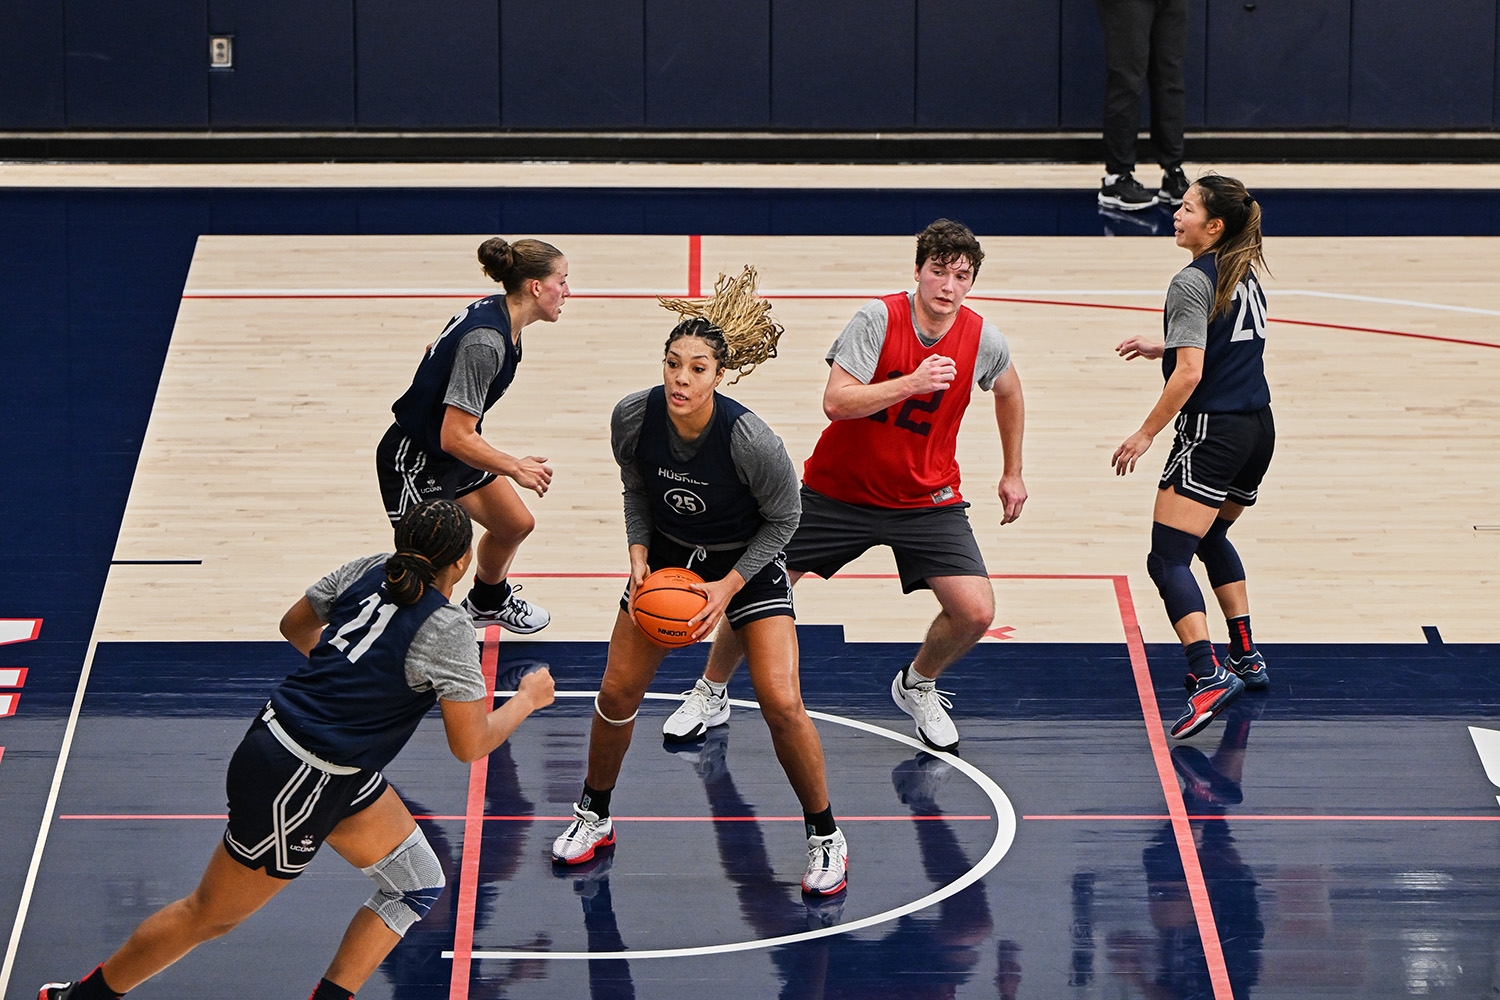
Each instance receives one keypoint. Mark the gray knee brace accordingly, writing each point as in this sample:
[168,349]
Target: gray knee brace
[407,882]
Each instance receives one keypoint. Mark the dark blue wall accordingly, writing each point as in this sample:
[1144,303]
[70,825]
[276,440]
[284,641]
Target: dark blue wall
[733,64]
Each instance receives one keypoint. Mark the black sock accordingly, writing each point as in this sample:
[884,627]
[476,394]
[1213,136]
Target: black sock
[1240,643]
[1202,663]
[595,801]
[93,987]
[820,824]
[489,596]
[329,990]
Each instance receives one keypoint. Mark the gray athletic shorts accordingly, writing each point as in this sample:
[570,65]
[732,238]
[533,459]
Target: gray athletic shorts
[927,541]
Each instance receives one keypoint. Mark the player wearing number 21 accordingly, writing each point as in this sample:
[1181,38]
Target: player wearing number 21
[383,646]
[1212,360]
[885,471]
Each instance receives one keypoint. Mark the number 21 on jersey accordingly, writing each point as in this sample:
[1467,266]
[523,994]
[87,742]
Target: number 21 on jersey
[371,606]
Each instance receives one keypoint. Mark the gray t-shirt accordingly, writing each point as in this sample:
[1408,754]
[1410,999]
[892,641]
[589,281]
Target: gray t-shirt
[443,655]
[760,460]
[857,348]
[476,362]
[1190,298]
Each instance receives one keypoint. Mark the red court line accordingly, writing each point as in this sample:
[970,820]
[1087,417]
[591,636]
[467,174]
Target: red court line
[468,879]
[1208,931]
[1268,817]
[695,267]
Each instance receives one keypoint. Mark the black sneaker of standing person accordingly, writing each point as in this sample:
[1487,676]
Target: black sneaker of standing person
[1124,192]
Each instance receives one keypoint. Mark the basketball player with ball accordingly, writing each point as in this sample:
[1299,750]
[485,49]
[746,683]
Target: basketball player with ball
[709,488]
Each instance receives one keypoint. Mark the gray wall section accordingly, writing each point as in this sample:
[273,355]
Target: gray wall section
[736,64]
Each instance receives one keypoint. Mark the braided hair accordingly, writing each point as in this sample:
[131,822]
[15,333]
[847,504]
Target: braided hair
[734,322]
[431,536]
[1239,246]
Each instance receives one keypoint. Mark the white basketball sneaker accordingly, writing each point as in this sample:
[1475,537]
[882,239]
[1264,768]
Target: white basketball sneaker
[515,615]
[928,708]
[827,865]
[585,835]
[702,711]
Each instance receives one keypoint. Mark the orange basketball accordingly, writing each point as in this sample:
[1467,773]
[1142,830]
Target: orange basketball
[665,602]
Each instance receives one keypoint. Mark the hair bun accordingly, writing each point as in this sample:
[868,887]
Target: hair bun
[497,257]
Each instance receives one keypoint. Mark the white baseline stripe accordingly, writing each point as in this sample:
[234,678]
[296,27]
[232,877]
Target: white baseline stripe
[1005,833]
[46,826]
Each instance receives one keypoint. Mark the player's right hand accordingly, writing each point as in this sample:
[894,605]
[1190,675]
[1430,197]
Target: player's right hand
[1140,347]
[538,687]
[934,374]
[533,473]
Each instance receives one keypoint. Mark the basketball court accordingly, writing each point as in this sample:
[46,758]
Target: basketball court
[1334,837]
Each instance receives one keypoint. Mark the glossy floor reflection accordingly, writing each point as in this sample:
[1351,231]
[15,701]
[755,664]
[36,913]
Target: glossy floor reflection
[1341,854]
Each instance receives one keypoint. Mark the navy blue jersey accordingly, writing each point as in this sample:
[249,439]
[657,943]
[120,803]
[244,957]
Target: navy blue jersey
[1234,373]
[351,703]
[421,409]
[701,501]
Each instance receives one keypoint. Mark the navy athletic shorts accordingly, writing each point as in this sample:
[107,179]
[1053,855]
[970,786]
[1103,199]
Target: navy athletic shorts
[767,594]
[1220,456]
[927,541]
[282,806]
[409,476]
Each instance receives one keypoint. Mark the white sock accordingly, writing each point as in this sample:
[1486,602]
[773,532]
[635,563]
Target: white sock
[717,689]
[911,677]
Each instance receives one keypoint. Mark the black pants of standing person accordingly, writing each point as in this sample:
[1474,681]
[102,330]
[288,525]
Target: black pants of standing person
[1145,42]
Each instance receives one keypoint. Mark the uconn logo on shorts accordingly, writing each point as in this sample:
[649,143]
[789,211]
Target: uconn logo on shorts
[685,501]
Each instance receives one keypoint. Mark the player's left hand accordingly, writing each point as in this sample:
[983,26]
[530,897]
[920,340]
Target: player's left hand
[719,594]
[1012,496]
[1130,452]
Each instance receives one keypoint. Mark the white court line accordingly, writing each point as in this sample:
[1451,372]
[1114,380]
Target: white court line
[1005,833]
[356,293]
[46,827]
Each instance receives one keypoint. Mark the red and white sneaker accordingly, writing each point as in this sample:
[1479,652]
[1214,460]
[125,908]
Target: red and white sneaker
[827,865]
[585,835]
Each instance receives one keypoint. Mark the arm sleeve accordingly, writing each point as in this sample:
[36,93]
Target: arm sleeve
[322,594]
[1190,296]
[624,431]
[764,466]
[857,348]
[444,657]
[475,365]
[994,356]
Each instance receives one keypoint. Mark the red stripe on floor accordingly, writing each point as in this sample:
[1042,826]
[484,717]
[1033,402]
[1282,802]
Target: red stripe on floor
[468,878]
[1208,931]
[695,267]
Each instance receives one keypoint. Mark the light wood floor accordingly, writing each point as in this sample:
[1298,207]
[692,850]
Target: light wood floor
[289,350]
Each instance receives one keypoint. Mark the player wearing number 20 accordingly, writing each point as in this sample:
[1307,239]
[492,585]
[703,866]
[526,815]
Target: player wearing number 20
[1212,361]
[884,471]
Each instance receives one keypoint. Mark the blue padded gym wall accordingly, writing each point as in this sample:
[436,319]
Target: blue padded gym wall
[708,66]
[572,65]
[32,80]
[293,64]
[135,65]
[434,64]
[843,65]
[1277,65]
[1003,75]
[1431,66]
